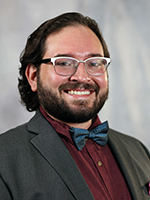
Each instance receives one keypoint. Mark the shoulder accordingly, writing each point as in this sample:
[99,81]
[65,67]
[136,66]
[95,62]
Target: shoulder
[122,136]
[13,133]
[133,145]
[20,132]
[20,137]
[14,139]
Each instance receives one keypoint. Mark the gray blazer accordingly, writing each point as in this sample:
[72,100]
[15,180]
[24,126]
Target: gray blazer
[36,165]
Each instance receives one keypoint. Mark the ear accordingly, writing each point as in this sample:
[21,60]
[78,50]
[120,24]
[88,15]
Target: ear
[31,74]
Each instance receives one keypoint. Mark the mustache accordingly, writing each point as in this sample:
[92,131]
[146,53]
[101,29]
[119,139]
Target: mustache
[79,85]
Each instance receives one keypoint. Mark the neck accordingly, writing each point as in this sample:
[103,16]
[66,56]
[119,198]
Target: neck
[84,125]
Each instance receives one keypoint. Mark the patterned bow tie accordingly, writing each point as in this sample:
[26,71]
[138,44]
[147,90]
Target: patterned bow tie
[98,134]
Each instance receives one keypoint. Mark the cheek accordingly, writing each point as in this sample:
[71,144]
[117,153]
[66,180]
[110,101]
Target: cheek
[50,79]
[102,81]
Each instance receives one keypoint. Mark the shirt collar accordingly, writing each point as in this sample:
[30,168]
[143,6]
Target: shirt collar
[62,128]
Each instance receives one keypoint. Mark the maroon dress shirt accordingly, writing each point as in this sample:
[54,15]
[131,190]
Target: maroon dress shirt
[96,163]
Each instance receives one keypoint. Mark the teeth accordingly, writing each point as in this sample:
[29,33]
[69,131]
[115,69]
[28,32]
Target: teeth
[79,92]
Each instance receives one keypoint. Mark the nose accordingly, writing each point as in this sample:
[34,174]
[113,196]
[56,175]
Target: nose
[80,74]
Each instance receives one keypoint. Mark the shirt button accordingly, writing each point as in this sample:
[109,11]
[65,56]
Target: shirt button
[99,163]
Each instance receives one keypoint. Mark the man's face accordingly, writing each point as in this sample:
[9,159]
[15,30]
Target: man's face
[79,97]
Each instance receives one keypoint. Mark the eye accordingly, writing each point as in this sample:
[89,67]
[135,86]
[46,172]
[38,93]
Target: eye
[94,63]
[103,62]
[63,62]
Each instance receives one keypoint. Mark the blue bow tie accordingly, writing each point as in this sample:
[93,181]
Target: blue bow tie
[98,134]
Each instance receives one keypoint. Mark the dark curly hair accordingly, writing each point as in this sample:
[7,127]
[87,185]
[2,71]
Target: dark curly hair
[35,49]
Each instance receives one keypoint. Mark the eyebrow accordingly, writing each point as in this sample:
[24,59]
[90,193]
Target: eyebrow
[64,55]
[95,55]
[71,55]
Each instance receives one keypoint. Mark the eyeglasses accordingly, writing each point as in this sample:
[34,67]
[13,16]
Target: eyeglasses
[67,66]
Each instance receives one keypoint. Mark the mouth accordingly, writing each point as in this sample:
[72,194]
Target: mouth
[79,92]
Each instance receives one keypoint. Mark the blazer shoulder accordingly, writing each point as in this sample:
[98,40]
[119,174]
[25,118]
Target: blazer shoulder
[14,138]
[20,132]
[13,132]
[131,143]
[19,137]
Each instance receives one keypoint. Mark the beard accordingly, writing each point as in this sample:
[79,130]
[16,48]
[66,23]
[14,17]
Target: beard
[62,110]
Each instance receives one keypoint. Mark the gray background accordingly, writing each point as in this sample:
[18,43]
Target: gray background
[126,28]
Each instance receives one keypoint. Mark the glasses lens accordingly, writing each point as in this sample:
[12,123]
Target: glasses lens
[96,66]
[65,66]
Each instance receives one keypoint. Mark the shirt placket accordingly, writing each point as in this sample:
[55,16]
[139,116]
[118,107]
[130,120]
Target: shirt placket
[99,166]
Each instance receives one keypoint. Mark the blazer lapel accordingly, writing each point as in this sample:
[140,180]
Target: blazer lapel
[50,145]
[134,179]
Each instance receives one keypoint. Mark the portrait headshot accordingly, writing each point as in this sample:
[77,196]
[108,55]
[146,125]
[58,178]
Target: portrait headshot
[75,127]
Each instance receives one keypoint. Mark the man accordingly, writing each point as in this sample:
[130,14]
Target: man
[65,152]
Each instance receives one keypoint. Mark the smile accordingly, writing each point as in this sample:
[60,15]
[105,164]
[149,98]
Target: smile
[79,92]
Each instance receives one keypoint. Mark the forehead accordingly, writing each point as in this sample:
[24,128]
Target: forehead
[73,40]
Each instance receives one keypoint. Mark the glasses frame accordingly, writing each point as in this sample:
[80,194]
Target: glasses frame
[52,60]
